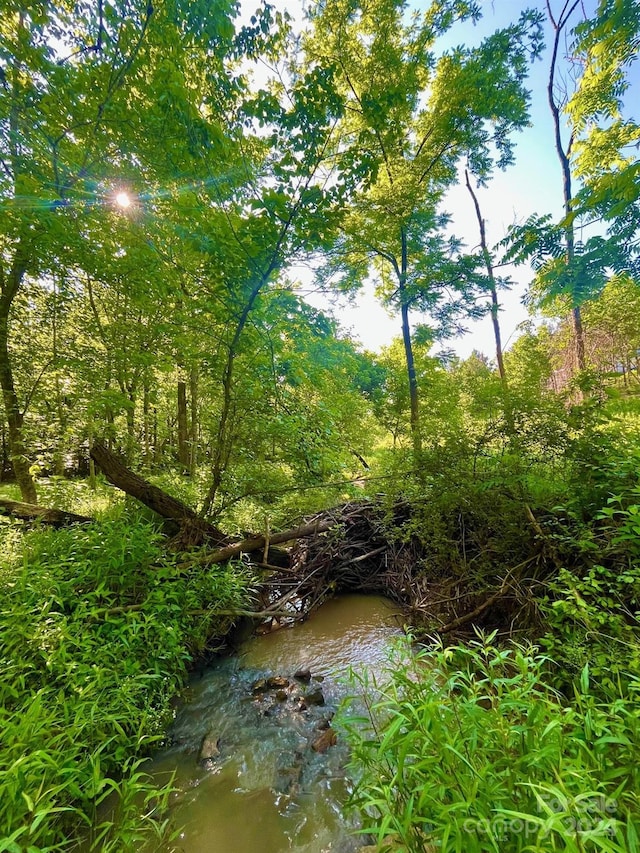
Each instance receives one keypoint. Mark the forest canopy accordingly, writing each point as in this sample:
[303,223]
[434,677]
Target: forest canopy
[166,169]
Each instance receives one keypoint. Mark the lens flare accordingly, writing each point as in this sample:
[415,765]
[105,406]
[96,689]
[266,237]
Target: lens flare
[123,199]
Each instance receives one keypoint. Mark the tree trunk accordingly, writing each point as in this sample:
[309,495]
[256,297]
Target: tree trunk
[224,440]
[13,414]
[131,423]
[564,158]
[193,436]
[148,494]
[495,305]
[92,464]
[414,393]
[255,543]
[495,309]
[146,423]
[31,512]
[576,318]
[183,444]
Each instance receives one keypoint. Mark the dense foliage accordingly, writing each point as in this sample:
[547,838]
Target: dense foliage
[98,628]
[470,749]
[173,177]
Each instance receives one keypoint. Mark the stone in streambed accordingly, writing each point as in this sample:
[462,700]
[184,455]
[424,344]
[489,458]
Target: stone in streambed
[210,747]
[277,682]
[314,697]
[325,722]
[324,741]
[288,776]
[303,675]
[265,685]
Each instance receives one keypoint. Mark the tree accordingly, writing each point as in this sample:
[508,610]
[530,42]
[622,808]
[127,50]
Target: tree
[605,154]
[492,281]
[409,116]
[558,98]
[282,212]
[590,135]
[78,82]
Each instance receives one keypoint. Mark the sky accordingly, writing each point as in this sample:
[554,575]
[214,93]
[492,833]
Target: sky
[532,185]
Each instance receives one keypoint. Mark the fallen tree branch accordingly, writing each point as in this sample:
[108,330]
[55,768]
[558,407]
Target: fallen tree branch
[32,512]
[247,546]
[542,536]
[137,608]
[467,617]
[151,496]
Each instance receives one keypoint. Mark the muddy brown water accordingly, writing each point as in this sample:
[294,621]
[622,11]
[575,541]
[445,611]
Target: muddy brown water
[268,791]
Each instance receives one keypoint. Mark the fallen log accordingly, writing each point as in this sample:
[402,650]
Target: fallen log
[152,496]
[32,512]
[255,543]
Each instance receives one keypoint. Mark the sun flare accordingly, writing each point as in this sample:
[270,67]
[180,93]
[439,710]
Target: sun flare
[123,199]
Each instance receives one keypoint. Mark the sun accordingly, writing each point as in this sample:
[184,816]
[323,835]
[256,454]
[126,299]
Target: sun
[123,199]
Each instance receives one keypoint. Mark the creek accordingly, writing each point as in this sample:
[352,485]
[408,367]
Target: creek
[266,785]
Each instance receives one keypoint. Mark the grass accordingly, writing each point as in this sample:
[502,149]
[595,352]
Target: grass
[467,749]
[97,632]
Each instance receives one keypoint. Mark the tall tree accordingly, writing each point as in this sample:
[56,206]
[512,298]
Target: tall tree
[590,136]
[409,116]
[558,98]
[492,280]
[282,212]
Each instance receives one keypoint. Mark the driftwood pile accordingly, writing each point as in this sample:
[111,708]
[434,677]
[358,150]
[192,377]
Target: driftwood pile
[357,554]
[345,549]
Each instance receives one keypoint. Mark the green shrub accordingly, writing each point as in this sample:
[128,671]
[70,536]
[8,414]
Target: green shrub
[467,749]
[97,630]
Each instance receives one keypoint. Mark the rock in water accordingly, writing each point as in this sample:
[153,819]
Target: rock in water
[210,747]
[303,675]
[314,697]
[277,682]
[325,740]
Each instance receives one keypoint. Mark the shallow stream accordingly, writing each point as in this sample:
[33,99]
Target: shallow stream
[271,784]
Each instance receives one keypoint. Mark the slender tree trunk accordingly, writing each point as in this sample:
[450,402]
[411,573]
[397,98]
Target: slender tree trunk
[92,464]
[578,332]
[131,423]
[495,310]
[156,446]
[564,158]
[183,444]
[495,305]
[62,418]
[146,422]
[414,391]
[193,435]
[223,445]
[5,456]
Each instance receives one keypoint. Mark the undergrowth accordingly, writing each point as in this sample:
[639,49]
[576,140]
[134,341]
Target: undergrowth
[468,749]
[97,631]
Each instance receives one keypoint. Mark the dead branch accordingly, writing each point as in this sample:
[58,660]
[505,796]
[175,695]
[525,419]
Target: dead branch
[32,512]
[468,617]
[247,546]
[151,496]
